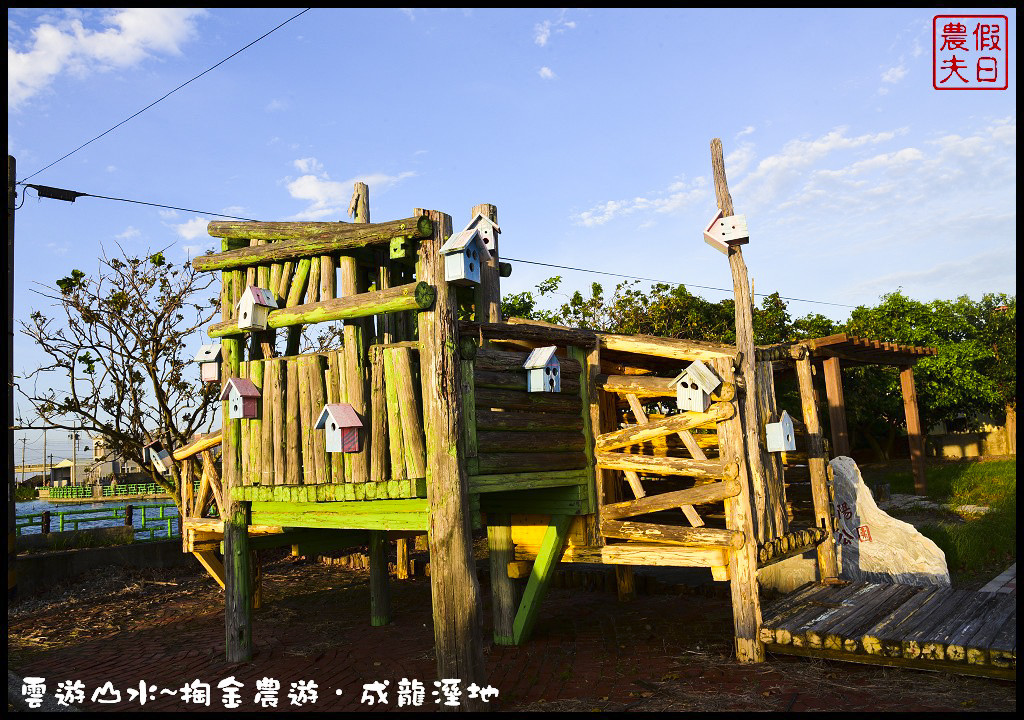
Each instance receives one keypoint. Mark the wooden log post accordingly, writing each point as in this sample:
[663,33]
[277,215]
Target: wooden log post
[816,463]
[914,436]
[380,595]
[767,411]
[237,585]
[355,354]
[237,592]
[836,407]
[504,592]
[488,292]
[454,587]
[745,345]
[746,605]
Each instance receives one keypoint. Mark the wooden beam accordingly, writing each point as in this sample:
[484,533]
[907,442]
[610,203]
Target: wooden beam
[713,469]
[671,534]
[660,428]
[700,494]
[669,348]
[413,296]
[836,406]
[194,448]
[303,240]
[914,435]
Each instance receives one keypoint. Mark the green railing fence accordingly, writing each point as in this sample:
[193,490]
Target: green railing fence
[157,521]
[70,492]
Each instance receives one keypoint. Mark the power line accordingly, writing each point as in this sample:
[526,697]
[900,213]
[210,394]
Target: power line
[165,96]
[45,191]
[72,195]
[668,282]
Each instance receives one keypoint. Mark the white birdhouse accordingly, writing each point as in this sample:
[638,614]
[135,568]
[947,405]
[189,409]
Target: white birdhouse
[725,232]
[694,386]
[254,307]
[488,230]
[209,362]
[463,253]
[341,424]
[243,398]
[158,456]
[543,373]
[780,435]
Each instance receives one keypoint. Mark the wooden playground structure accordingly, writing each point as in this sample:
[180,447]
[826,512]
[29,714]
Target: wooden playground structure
[606,470]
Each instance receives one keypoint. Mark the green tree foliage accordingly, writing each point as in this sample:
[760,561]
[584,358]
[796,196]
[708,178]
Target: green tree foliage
[117,341]
[973,374]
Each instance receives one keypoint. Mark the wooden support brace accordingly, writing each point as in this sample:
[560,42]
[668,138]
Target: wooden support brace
[555,540]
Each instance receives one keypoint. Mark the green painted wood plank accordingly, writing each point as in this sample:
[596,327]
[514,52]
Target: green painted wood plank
[527,481]
[408,514]
[551,550]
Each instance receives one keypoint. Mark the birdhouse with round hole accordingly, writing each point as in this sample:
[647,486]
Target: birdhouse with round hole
[254,307]
[694,386]
[208,358]
[780,435]
[543,373]
[488,230]
[156,454]
[243,398]
[340,424]
[462,253]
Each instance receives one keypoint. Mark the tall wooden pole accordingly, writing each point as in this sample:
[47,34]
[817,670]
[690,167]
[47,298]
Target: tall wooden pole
[766,506]
[454,588]
[12,553]
[488,292]
[237,581]
[914,436]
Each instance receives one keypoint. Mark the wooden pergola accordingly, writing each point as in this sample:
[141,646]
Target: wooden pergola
[835,350]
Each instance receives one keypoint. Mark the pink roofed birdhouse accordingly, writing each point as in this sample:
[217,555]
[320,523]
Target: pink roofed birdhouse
[341,424]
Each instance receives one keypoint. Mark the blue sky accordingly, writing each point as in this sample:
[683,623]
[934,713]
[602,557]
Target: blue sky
[589,129]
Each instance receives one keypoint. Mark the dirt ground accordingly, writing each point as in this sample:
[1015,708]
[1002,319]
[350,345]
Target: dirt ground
[666,651]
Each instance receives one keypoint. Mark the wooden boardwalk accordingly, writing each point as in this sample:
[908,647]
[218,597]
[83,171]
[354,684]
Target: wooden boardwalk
[929,628]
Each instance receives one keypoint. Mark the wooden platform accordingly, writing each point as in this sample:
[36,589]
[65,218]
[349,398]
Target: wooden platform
[929,628]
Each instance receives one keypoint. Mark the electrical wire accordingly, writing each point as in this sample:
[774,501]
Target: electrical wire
[668,282]
[261,37]
[152,204]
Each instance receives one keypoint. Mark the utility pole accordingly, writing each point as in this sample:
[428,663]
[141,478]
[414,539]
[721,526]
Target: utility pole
[23,441]
[46,474]
[12,552]
[74,457]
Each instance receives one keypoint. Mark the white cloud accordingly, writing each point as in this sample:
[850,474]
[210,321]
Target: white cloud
[130,233]
[131,36]
[196,227]
[677,195]
[275,105]
[894,74]
[330,198]
[308,165]
[547,73]
[542,31]
[775,174]
[745,131]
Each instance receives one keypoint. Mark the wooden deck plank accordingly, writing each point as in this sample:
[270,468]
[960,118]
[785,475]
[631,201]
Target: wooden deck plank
[810,634]
[913,641]
[810,611]
[847,635]
[934,645]
[991,617]
[871,639]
